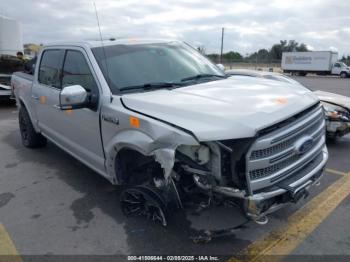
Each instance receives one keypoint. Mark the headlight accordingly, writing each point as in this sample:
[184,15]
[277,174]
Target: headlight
[334,112]
[199,154]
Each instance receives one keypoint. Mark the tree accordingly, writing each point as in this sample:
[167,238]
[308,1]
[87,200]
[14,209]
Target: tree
[232,57]
[265,55]
[286,46]
[345,60]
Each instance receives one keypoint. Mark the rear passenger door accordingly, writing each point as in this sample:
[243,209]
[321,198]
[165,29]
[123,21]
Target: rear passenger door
[46,89]
[77,131]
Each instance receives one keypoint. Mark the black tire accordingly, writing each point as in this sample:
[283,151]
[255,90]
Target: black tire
[343,75]
[30,138]
[12,102]
[146,202]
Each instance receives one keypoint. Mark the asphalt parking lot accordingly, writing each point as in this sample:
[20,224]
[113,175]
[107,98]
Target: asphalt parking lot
[50,204]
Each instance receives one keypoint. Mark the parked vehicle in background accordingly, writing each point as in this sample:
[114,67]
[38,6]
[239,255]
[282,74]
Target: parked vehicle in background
[159,117]
[8,65]
[10,43]
[318,62]
[5,88]
[337,107]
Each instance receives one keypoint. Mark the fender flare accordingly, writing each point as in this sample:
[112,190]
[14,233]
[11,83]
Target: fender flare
[142,143]
[22,103]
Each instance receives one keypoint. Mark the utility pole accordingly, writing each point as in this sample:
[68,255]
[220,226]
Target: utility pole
[222,43]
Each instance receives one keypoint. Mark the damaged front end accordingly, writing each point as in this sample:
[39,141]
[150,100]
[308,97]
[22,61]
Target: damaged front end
[255,175]
[202,177]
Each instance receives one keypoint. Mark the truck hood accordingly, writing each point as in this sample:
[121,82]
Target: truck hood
[336,99]
[236,107]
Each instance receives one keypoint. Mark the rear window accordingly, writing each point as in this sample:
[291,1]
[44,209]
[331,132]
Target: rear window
[50,68]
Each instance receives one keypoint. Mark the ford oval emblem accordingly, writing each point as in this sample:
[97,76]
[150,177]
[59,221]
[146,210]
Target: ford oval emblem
[303,145]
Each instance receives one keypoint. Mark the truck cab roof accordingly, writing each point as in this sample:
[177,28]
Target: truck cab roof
[110,42]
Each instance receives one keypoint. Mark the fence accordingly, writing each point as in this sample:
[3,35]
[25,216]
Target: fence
[262,64]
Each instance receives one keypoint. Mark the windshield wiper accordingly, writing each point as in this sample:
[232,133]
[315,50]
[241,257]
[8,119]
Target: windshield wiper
[199,76]
[152,86]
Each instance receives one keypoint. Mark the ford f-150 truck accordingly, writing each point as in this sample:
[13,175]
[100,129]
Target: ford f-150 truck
[158,117]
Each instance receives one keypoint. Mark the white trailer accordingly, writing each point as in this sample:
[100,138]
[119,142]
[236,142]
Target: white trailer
[319,62]
[10,36]
[10,43]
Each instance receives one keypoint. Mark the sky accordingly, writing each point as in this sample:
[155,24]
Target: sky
[249,25]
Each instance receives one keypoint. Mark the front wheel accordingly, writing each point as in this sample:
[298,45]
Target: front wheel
[343,74]
[30,138]
[146,202]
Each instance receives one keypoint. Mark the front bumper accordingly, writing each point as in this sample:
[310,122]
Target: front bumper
[5,91]
[5,94]
[263,203]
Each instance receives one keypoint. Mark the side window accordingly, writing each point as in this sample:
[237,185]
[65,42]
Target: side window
[50,68]
[336,65]
[76,71]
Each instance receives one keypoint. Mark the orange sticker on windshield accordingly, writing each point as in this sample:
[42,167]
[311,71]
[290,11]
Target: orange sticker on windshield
[134,122]
[42,99]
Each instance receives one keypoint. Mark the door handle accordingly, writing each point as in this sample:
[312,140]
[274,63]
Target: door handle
[110,119]
[57,107]
[35,97]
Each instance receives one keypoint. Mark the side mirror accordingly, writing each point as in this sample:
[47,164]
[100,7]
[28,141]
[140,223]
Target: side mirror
[73,97]
[221,67]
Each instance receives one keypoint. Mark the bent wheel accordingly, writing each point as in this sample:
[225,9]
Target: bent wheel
[144,201]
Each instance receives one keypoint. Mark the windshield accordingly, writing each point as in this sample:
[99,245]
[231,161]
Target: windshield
[127,66]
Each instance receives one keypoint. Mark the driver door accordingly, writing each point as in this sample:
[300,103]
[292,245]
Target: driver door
[78,130]
[336,69]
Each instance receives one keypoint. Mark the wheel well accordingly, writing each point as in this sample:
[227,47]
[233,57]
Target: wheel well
[22,104]
[135,168]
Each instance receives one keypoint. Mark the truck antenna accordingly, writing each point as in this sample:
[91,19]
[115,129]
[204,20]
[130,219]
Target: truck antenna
[101,39]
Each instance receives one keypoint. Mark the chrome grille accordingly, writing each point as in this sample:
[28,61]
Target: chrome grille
[272,156]
[285,144]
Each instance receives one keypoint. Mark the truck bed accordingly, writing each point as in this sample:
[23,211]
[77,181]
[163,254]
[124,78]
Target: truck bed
[24,76]
[22,85]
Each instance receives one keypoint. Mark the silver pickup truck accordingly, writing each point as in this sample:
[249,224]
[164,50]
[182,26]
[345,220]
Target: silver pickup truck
[157,116]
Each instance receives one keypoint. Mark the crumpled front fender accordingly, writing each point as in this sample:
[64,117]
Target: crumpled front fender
[162,147]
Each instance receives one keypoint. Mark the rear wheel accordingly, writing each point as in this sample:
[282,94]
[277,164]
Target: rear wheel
[30,138]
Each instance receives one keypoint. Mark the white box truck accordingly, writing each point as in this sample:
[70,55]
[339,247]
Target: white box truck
[10,43]
[319,62]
